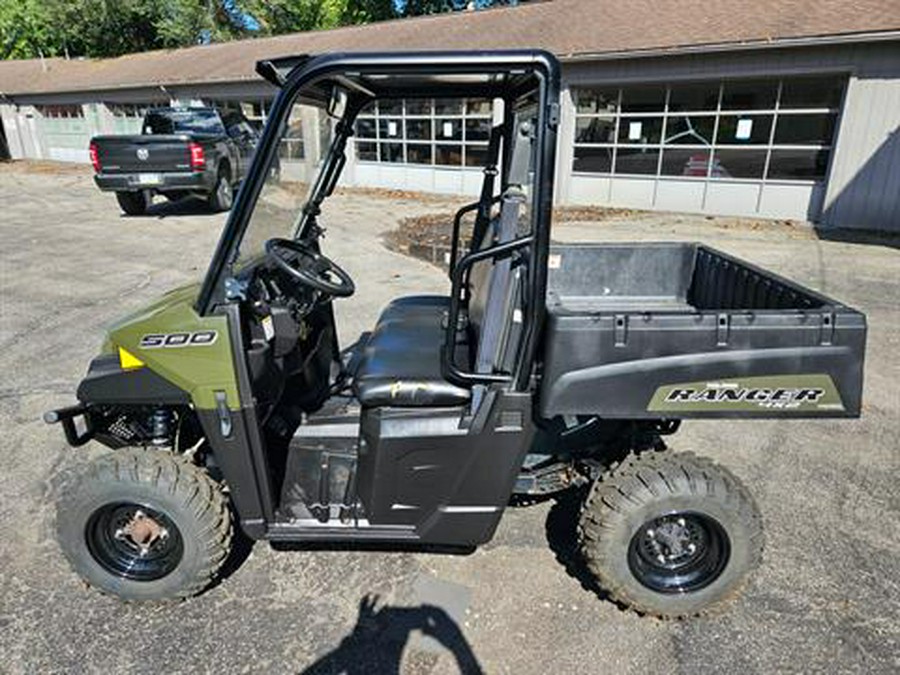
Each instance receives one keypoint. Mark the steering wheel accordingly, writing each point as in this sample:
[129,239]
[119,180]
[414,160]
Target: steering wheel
[310,267]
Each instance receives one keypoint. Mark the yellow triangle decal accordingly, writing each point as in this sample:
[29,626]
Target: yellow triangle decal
[128,360]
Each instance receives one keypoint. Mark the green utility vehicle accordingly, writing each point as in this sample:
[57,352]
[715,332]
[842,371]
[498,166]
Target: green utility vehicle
[544,369]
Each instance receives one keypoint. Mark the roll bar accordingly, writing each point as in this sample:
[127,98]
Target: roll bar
[449,368]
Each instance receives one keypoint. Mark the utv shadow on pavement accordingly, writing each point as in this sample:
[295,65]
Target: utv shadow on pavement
[561,530]
[379,638]
[241,548]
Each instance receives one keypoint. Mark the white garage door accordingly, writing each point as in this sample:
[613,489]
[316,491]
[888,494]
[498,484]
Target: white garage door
[741,147]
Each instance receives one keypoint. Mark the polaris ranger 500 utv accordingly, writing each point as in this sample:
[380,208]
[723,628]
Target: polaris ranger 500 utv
[543,369]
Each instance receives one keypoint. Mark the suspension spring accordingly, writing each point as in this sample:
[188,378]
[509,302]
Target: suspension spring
[161,426]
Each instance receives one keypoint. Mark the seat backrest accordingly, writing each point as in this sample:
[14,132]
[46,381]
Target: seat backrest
[479,281]
[494,288]
[497,291]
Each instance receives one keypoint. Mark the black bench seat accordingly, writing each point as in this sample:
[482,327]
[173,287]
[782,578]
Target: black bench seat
[401,361]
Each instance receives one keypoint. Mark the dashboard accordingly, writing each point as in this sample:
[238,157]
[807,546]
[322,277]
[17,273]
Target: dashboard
[288,334]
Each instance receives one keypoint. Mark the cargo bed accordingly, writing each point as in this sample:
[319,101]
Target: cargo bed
[681,330]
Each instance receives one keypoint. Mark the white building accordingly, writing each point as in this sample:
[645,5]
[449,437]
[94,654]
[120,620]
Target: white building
[788,110]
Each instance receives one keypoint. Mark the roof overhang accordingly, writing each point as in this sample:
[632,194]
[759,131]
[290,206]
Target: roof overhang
[712,48]
[274,70]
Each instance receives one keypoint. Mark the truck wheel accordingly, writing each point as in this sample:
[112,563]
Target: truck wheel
[671,535]
[134,203]
[222,196]
[144,525]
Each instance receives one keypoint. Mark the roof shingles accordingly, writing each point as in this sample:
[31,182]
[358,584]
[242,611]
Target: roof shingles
[569,28]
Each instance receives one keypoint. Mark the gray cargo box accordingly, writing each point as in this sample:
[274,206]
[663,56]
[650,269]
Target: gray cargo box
[682,330]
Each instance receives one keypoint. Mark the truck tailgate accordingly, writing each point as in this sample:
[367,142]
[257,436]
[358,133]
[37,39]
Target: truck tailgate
[682,330]
[150,153]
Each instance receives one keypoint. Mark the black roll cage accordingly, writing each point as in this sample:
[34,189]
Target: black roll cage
[511,73]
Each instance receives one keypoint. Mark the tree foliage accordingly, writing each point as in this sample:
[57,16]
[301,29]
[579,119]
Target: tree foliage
[25,28]
[31,28]
[98,28]
[275,17]
[420,7]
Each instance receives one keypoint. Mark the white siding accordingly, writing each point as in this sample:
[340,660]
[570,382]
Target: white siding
[864,185]
[9,117]
[451,180]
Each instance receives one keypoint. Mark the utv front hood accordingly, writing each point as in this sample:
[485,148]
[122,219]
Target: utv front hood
[190,351]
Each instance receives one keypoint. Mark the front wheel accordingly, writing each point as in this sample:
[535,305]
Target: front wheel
[144,525]
[671,535]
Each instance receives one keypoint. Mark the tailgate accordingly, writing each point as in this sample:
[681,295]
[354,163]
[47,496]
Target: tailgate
[139,154]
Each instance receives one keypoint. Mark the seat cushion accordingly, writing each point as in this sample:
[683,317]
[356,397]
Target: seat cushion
[415,308]
[401,362]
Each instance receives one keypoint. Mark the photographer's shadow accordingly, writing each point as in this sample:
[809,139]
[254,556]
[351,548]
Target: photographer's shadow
[377,642]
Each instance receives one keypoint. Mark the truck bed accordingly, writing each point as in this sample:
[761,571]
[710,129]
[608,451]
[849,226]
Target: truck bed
[682,330]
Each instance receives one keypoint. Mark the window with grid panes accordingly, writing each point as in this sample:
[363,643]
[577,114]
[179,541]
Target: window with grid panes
[430,132]
[737,129]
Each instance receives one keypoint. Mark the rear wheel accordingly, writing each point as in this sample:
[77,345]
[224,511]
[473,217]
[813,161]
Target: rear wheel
[144,525]
[670,535]
[222,196]
[134,203]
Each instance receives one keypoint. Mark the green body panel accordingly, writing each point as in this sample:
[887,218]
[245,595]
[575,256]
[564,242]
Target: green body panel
[200,369]
[791,393]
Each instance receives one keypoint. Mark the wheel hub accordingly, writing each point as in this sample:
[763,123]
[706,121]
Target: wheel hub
[142,531]
[678,552]
[673,541]
[134,541]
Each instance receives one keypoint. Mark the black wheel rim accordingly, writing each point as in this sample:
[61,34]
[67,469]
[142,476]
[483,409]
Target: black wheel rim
[679,552]
[134,541]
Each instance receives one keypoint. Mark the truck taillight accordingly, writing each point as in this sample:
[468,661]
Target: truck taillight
[198,158]
[95,157]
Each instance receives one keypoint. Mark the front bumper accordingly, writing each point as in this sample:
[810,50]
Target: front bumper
[187,181]
[68,418]
[107,386]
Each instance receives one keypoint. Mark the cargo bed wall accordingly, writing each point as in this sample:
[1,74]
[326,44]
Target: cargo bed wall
[680,330]
[722,282]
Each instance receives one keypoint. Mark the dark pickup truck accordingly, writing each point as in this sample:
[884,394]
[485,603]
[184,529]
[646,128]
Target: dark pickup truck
[180,152]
